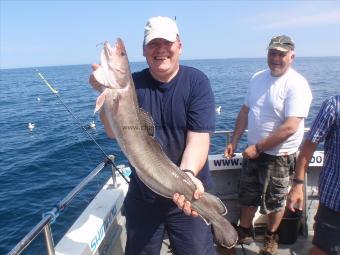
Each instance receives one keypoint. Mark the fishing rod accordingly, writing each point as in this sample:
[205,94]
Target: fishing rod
[56,93]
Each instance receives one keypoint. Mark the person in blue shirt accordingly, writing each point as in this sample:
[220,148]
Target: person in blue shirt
[181,103]
[326,127]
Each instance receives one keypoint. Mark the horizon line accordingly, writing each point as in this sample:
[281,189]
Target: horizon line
[144,61]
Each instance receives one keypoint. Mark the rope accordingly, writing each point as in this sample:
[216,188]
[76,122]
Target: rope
[54,213]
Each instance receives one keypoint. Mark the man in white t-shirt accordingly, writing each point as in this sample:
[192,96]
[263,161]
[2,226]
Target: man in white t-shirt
[276,104]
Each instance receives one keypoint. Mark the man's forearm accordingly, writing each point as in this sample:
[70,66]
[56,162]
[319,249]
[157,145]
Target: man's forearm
[196,151]
[295,196]
[281,134]
[241,125]
[304,158]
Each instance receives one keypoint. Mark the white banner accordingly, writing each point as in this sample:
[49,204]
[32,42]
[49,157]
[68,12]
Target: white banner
[219,162]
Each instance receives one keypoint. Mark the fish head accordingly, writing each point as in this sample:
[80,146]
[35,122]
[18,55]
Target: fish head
[114,71]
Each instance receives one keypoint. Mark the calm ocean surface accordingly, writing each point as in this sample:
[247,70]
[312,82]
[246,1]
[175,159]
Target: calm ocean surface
[39,168]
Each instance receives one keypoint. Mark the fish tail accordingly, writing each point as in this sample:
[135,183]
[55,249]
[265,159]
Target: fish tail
[224,233]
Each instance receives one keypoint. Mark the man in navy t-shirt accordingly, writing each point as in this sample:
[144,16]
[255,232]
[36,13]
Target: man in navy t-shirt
[181,103]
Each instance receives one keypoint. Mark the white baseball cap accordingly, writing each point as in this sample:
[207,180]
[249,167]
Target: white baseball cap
[160,27]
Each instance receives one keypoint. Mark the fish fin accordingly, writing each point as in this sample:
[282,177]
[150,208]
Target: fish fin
[224,233]
[100,75]
[216,203]
[205,220]
[223,209]
[147,122]
[100,101]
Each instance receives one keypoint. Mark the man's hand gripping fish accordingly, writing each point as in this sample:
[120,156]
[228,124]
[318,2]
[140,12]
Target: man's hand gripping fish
[134,130]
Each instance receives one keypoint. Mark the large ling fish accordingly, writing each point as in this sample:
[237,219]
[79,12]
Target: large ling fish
[133,129]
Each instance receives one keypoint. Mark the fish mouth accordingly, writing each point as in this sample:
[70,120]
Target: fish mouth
[114,69]
[120,48]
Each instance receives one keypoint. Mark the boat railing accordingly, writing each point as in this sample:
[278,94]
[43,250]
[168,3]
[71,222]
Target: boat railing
[229,133]
[49,217]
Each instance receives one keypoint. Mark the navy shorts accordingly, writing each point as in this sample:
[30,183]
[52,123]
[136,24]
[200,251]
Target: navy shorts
[264,181]
[147,220]
[327,230]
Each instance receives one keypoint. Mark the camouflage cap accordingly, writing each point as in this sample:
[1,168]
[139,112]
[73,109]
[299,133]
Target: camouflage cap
[281,43]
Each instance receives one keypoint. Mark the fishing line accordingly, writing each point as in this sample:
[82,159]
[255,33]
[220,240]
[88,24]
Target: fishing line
[56,93]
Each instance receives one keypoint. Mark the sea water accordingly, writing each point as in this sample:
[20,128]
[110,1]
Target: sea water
[40,165]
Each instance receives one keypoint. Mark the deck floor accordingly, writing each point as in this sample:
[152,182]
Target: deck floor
[300,247]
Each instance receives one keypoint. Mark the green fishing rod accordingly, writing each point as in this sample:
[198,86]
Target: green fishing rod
[56,93]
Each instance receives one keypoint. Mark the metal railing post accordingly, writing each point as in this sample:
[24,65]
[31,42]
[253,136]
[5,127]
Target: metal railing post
[114,178]
[228,138]
[113,172]
[305,209]
[49,239]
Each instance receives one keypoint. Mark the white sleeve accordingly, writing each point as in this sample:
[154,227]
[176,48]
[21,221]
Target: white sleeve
[298,98]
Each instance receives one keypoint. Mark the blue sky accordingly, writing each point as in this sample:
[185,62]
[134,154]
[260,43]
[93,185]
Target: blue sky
[44,33]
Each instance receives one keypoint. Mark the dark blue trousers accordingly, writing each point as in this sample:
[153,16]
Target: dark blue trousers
[148,219]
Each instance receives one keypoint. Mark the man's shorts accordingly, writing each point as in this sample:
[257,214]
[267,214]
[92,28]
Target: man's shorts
[264,181]
[327,230]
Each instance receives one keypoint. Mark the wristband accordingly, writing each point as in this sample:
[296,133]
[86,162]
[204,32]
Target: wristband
[189,171]
[298,181]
